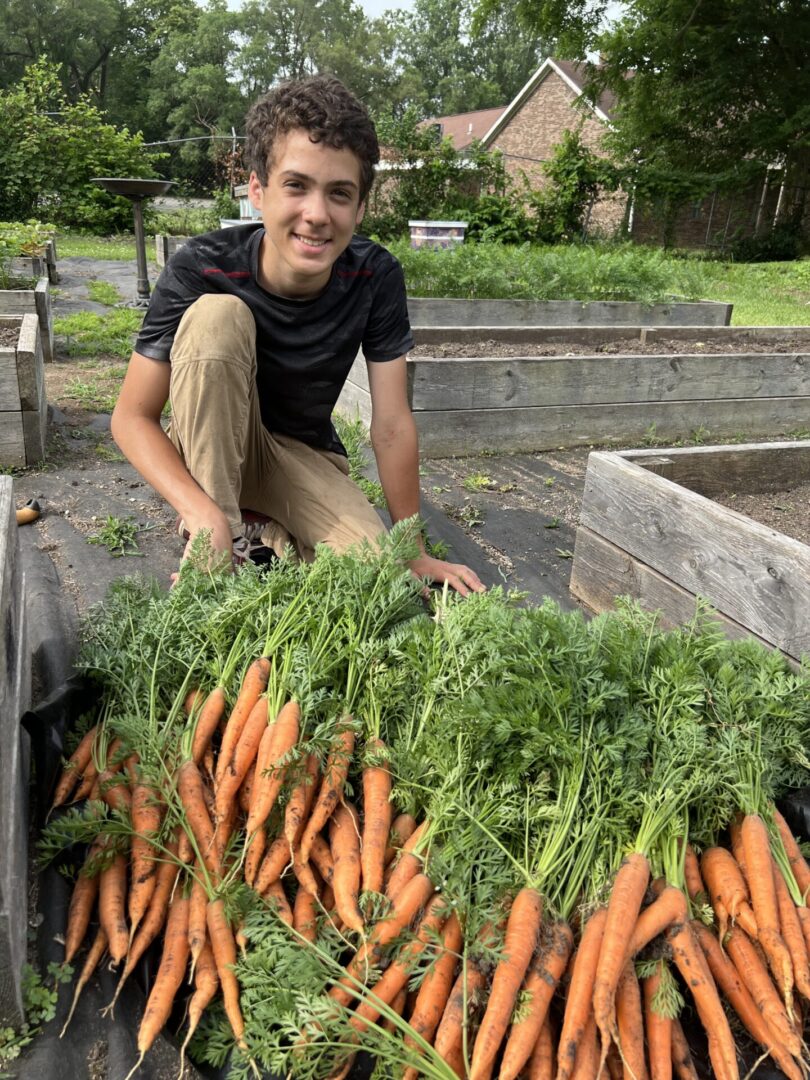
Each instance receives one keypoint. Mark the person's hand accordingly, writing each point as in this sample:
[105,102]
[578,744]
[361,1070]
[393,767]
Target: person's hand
[457,576]
[219,536]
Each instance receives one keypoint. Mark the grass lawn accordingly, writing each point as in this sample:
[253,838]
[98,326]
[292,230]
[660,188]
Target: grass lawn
[763,294]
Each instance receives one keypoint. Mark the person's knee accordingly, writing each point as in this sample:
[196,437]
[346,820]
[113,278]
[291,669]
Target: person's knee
[216,326]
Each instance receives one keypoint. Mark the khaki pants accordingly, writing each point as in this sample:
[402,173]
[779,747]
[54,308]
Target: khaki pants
[216,426]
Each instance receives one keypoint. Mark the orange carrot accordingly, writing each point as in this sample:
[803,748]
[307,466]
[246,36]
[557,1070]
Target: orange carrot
[762,886]
[74,767]
[755,978]
[397,1006]
[97,950]
[114,790]
[692,876]
[792,934]
[82,901]
[112,886]
[147,813]
[580,993]
[804,919]
[541,1063]
[305,874]
[321,854]
[682,1065]
[153,920]
[273,865]
[276,743]
[169,975]
[206,984]
[622,913]
[276,897]
[541,982]
[522,931]
[243,755]
[344,836]
[798,863]
[300,801]
[408,864]
[255,854]
[246,790]
[207,723]
[253,686]
[587,1065]
[413,897]
[401,828]
[190,789]
[452,1035]
[396,975]
[630,1022]
[305,914]
[193,700]
[376,816]
[726,884]
[728,979]
[224,948]
[658,1028]
[431,1000]
[689,960]
[331,790]
[669,907]
[197,911]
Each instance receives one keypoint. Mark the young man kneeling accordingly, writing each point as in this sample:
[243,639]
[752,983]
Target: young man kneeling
[251,333]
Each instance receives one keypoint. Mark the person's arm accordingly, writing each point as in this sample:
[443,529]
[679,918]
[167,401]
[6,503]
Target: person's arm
[138,433]
[395,444]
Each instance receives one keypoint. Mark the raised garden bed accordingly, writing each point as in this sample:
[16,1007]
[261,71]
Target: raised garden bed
[650,528]
[23,404]
[36,266]
[34,299]
[439,311]
[165,247]
[541,388]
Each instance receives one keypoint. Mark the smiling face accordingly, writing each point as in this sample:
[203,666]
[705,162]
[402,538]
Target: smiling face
[310,207]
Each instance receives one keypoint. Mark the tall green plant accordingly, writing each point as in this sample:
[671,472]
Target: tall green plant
[50,150]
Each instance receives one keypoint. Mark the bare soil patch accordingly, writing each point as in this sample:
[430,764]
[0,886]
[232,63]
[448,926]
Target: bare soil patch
[787,512]
[491,347]
[8,336]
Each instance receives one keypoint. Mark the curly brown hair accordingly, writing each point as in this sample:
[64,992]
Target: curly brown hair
[320,105]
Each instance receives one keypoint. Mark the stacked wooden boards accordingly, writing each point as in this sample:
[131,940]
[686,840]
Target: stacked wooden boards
[650,530]
[517,403]
[23,402]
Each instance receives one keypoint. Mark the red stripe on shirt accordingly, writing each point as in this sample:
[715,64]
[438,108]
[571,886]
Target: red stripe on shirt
[227,273]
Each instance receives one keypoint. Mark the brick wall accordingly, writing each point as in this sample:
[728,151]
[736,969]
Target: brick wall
[531,135]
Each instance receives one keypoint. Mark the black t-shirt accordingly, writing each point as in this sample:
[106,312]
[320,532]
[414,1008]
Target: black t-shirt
[305,348]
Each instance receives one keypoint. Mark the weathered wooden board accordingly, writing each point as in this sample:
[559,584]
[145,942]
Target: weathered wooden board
[9,384]
[750,573]
[355,401]
[601,572]
[35,430]
[425,311]
[36,301]
[601,335]
[447,433]
[748,467]
[15,689]
[12,439]
[524,382]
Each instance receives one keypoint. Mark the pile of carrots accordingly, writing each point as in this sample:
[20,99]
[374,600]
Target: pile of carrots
[497,843]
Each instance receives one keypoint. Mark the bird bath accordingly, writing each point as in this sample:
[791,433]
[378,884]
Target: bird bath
[136,190]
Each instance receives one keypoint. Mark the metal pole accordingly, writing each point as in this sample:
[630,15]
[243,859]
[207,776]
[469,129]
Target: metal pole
[140,250]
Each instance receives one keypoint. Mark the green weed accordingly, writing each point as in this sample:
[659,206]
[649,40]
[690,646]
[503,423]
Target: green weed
[87,334]
[100,393]
[119,536]
[438,549]
[354,436]
[477,482]
[104,292]
[39,1003]
[71,244]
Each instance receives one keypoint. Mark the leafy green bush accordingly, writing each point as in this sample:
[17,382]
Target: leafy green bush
[784,243]
[534,272]
[24,237]
[498,218]
[52,148]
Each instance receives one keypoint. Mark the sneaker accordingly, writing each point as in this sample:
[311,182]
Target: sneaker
[248,546]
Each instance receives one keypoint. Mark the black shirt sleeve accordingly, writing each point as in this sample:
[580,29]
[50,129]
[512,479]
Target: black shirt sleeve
[178,286]
[387,335]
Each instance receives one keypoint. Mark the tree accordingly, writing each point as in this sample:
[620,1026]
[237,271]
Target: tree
[453,68]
